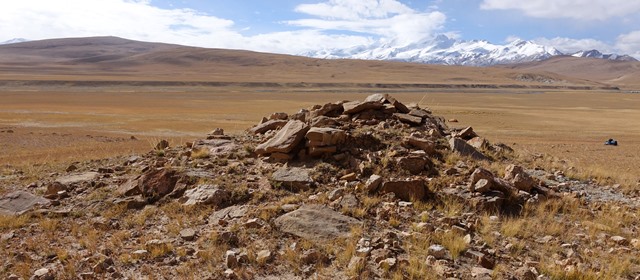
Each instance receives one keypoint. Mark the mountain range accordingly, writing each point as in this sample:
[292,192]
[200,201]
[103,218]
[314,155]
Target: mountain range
[449,51]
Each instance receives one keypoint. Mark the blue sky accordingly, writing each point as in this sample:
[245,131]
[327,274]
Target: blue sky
[296,26]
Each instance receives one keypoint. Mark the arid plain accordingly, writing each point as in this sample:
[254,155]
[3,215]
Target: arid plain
[81,124]
[67,91]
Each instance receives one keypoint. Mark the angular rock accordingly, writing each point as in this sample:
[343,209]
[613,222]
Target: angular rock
[460,146]
[482,186]
[406,190]
[323,121]
[188,234]
[216,147]
[414,164]
[19,202]
[279,116]
[294,179]
[263,257]
[229,213]
[409,119]
[438,251]
[355,107]
[480,258]
[466,134]
[316,223]
[130,188]
[206,195]
[324,136]
[399,106]
[520,179]
[158,183]
[428,146]
[373,183]
[478,143]
[267,126]
[421,113]
[619,240]
[329,110]
[287,138]
[43,274]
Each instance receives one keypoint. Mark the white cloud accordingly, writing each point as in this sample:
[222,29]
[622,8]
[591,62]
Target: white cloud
[139,20]
[573,9]
[629,43]
[386,18]
[570,45]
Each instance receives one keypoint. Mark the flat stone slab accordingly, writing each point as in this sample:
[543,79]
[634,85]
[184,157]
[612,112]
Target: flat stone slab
[316,223]
[285,140]
[19,202]
[77,178]
[216,146]
[268,125]
[294,178]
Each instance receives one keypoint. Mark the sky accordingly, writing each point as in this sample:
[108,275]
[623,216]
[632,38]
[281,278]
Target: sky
[298,26]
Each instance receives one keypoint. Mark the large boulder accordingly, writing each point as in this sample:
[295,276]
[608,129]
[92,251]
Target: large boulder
[460,146]
[287,138]
[19,202]
[406,190]
[316,223]
[293,179]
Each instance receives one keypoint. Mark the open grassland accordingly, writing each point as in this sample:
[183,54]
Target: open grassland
[42,127]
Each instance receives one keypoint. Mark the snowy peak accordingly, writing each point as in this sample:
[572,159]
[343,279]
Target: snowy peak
[445,50]
[14,41]
[598,54]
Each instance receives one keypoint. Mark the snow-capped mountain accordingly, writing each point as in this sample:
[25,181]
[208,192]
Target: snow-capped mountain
[446,50]
[13,41]
[598,54]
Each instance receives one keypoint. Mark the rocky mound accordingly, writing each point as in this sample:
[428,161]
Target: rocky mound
[352,189]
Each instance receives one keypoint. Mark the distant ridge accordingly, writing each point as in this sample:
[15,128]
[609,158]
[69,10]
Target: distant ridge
[117,59]
[445,50]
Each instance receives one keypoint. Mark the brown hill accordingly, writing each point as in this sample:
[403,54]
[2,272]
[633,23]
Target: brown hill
[624,74]
[117,59]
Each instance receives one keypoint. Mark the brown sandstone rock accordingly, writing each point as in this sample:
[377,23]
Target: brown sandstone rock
[285,140]
[157,183]
[206,195]
[267,126]
[409,119]
[354,107]
[324,136]
[406,190]
[460,146]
